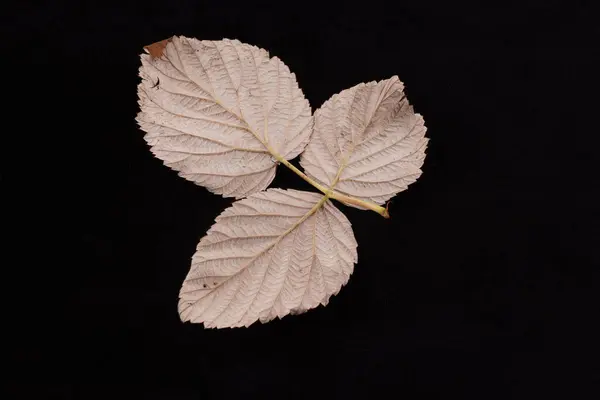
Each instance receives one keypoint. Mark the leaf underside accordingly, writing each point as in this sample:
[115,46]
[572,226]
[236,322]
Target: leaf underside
[219,111]
[274,253]
[367,142]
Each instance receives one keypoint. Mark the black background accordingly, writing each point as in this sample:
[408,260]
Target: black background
[478,287]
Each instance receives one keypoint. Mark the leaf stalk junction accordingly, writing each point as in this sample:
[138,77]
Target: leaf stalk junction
[330,193]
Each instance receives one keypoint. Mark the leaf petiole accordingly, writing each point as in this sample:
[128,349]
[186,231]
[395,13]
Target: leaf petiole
[383,211]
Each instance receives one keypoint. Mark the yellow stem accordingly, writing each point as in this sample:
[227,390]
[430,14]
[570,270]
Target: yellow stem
[383,211]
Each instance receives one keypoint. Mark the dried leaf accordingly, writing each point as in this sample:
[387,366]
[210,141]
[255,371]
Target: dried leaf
[269,255]
[367,142]
[221,112]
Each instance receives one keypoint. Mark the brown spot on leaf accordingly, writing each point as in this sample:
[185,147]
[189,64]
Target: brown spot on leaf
[156,49]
